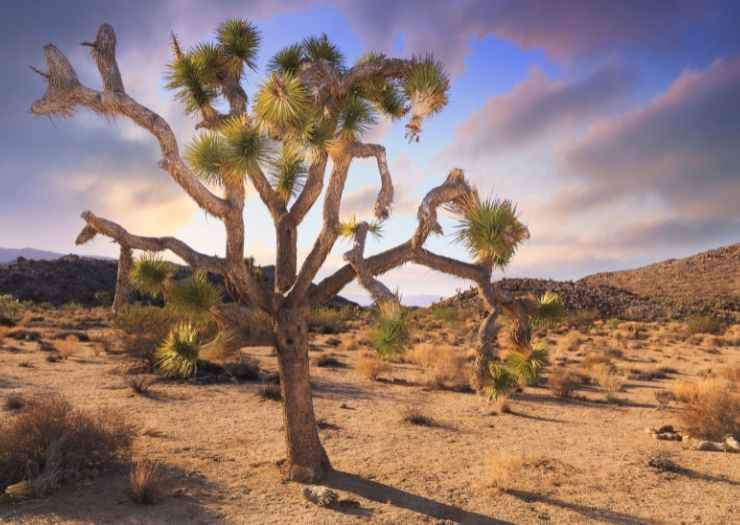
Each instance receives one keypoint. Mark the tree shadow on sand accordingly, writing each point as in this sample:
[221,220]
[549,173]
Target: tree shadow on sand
[594,514]
[380,493]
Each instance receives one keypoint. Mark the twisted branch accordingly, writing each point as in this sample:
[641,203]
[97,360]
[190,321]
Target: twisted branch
[356,258]
[385,196]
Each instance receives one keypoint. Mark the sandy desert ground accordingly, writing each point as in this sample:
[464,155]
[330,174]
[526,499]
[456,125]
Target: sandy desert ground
[547,460]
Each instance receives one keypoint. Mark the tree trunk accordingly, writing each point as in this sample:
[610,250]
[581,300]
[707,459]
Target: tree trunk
[125,262]
[307,461]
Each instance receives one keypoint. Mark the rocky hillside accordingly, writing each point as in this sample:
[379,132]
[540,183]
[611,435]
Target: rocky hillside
[74,279]
[604,301]
[708,281]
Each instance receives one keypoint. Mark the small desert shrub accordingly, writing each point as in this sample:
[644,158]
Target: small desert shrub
[104,298]
[67,347]
[583,318]
[447,314]
[549,310]
[328,361]
[608,379]
[144,482]
[504,469]
[52,442]
[389,334]
[613,324]
[140,384]
[570,342]
[177,357]
[710,409]
[270,391]
[71,306]
[597,359]
[444,366]
[703,324]
[731,374]
[144,329]
[14,403]
[563,382]
[11,310]
[371,367]
[415,416]
[327,320]
[246,369]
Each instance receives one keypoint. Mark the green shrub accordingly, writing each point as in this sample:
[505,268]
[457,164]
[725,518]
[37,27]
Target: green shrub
[11,309]
[177,357]
[703,324]
[104,298]
[526,367]
[150,321]
[327,320]
[193,297]
[447,314]
[502,381]
[549,310]
[149,274]
[389,334]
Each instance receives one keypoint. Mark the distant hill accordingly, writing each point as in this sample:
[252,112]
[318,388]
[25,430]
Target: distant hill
[11,254]
[75,279]
[707,281]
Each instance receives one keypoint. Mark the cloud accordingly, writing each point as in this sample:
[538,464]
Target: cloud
[565,31]
[537,106]
[681,150]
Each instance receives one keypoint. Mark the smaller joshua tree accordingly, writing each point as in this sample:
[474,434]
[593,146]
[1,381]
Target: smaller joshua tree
[312,108]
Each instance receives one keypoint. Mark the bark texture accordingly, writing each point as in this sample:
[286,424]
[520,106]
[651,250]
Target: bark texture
[123,289]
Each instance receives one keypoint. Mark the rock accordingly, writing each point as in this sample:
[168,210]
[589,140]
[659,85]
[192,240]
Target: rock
[321,496]
[731,444]
[710,446]
[665,428]
[667,436]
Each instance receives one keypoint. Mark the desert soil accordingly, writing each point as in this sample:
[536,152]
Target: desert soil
[583,460]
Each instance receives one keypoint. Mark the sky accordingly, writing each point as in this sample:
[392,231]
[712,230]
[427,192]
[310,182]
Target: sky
[614,126]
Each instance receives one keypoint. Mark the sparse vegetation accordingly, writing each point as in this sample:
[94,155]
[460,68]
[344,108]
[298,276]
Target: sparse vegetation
[11,310]
[52,442]
[710,408]
[371,367]
[563,382]
[270,391]
[144,482]
[389,334]
[140,384]
[444,366]
[703,324]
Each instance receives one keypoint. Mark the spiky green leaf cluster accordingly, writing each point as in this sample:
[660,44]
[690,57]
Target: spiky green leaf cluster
[526,367]
[177,357]
[348,229]
[193,297]
[502,381]
[281,103]
[549,309]
[150,273]
[321,48]
[239,40]
[187,78]
[224,156]
[355,118]
[390,333]
[288,172]
[490,229]
[427,84]
[287,60]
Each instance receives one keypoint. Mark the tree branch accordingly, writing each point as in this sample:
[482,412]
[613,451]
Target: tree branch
[385,195]
[440,263]
[196,260]
[267,193]
[454,187]
[65,93]
[311,191]
[356,258]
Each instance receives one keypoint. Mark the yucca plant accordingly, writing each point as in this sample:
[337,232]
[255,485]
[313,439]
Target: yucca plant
[150,273]
[348,229]
[526,366]
[389,334]
[502,381]
[193,297]
[177,357]
[549,309]
[288,172]
[490,229]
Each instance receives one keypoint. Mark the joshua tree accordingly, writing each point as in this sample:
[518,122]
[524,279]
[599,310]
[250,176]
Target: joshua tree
[311,109]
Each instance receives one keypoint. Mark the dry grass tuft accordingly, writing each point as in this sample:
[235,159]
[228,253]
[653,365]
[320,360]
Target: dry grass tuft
[144,482]
[140,384]
[703,324]
[328,361]
[14,402]
[67,347]
[415,416]
[371,367]
[444,366]
[710,408]
[563,382]
[608,379]
[52,442]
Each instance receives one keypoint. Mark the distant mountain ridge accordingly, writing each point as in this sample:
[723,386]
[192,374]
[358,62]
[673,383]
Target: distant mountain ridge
[8,255]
